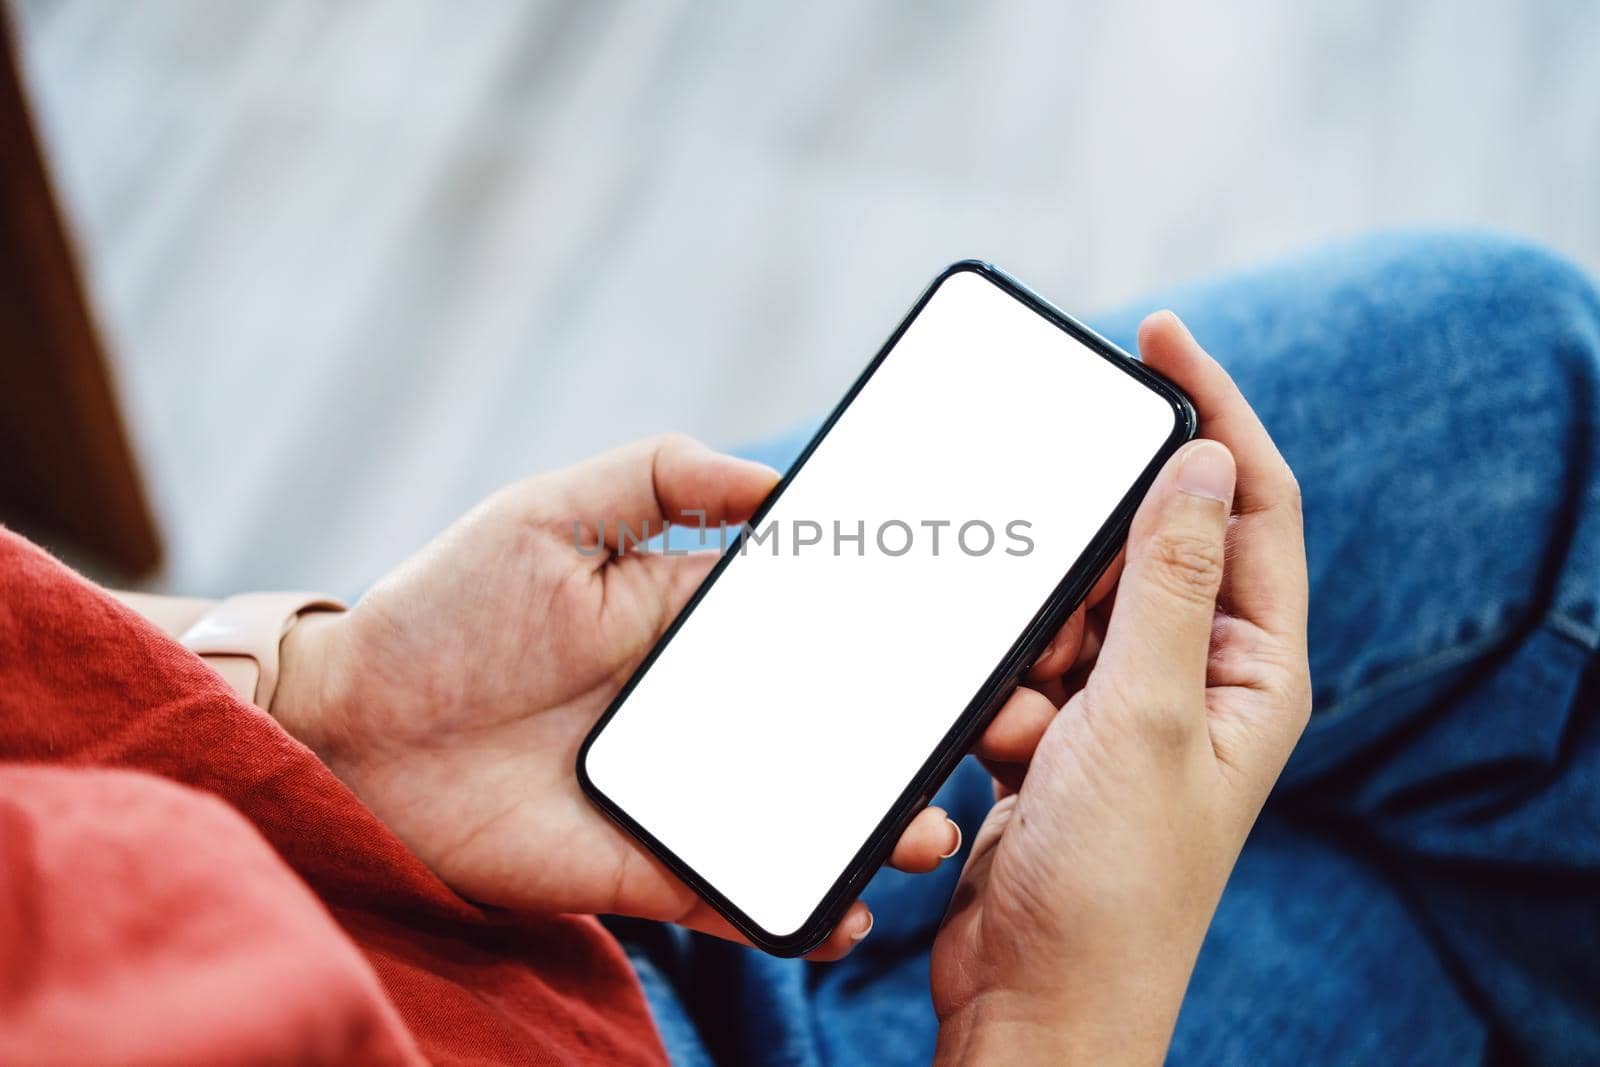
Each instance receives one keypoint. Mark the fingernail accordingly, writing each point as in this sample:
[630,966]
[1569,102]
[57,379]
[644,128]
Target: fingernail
[955,847]
[1207,470]
[861,934]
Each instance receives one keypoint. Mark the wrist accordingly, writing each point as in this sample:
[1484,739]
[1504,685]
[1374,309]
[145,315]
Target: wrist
[995,1028]
[1021,1028]
[310,685]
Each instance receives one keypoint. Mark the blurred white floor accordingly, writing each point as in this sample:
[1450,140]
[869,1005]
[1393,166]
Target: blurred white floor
[361,263]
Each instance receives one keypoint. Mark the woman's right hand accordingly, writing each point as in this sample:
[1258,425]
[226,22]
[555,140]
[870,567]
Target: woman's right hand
[1083,905]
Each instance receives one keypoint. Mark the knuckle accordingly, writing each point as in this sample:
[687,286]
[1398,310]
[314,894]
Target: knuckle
[1278,669]
[1187,564]
[1289,493]
[1278,488]
[1291,693]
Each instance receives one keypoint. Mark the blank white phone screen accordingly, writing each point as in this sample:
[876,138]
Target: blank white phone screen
[798,700]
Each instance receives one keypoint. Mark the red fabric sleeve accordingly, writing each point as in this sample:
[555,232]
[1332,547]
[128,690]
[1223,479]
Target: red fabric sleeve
[213,937]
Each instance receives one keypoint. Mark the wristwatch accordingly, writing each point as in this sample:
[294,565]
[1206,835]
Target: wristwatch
[239,638]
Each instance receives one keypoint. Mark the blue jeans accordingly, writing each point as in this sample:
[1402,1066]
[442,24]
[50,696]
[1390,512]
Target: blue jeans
[1424,885]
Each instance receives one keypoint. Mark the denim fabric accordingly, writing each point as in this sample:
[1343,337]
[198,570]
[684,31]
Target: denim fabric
[1424,886]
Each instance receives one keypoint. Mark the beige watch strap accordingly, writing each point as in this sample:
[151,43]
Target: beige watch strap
[240,638]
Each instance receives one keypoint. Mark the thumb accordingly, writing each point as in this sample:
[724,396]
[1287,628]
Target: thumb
[642,486]
[1159,636]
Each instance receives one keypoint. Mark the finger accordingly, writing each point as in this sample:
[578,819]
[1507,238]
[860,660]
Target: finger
[671,580]
[1266,580]
[1159,636]
[1065,650]
[851,930]
[1054,689]
[678,577]
[1007,776]
[1015,731]
[1094,636]
[629,494]
[1069,684]
[931,838]
[1062,652]
[1107,582]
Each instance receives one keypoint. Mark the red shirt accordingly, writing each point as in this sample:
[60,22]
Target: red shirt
[183,882]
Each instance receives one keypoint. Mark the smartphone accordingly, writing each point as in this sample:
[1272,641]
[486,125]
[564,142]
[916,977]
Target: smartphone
[862,628]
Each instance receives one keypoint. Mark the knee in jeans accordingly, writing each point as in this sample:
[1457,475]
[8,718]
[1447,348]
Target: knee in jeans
[1507,309]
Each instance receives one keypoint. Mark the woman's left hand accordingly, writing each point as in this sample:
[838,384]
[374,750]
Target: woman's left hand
[453,698]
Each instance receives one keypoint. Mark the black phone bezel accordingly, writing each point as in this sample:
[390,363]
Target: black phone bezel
[1065,598]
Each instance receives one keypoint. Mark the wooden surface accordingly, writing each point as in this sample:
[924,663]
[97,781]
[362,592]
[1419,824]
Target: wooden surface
[361,262]
[67,475]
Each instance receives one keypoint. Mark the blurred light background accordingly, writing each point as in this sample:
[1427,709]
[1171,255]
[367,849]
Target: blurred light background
[358,264]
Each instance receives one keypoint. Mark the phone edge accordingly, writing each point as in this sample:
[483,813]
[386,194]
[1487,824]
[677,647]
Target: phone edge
[941,763]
